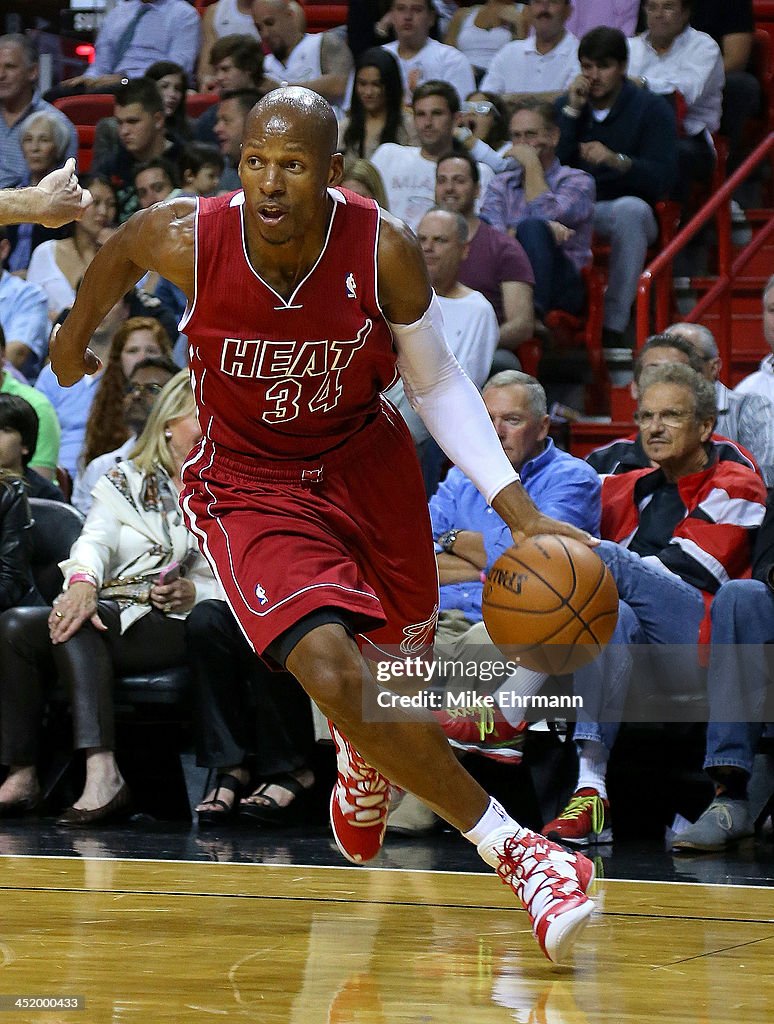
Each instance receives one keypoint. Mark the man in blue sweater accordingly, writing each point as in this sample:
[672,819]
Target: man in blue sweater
[626,138]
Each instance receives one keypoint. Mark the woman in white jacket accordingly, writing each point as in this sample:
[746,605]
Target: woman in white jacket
[131,578]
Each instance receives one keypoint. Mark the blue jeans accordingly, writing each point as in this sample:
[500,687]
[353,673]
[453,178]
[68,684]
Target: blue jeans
[558,283]
[739,670]
[654,608]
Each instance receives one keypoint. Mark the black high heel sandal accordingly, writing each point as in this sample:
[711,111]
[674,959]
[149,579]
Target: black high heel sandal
[222,813]
[272,813]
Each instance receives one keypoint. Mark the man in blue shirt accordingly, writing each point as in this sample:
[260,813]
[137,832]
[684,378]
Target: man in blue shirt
[470,537]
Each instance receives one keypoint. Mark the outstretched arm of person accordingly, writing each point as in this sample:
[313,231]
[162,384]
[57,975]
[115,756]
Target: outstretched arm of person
[160,239]
[440,392]
[56,200]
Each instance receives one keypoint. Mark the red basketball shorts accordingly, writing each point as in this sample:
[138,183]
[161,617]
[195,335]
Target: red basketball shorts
[349,530]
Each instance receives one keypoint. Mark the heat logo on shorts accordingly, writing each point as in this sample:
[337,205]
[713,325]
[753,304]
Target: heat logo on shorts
[260,593]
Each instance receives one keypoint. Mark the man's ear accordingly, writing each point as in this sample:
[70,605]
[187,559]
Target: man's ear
[336,169]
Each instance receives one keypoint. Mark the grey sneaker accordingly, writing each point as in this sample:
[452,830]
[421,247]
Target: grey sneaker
[410,817]
[723,823]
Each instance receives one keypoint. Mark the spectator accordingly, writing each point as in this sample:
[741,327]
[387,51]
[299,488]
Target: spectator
[254,726]
[671,536]
[200,166]
[155,181]
[485,114]
[738,681]
[495,265]
[44,142]
[481,31]
[543,64]
[142,135]
[222,19]
[320,61]
[408,172]
[626,139]
[145,383]
[672,57]
[471,324]
[45,454]
[58,266]
[18,99]
[172,83]
[761,382]
[73,405]
[732,26]
[376,113]
[626,454]
[22,315]
[747,419]
[237,62]
[362,178]
[229,128]
[135,339]
[106,620]
[421,58]
[136,34]
[470,537]
[19,428]
[588,14]
[548,207]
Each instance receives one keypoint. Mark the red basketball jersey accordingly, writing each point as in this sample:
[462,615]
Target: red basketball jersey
[287,378]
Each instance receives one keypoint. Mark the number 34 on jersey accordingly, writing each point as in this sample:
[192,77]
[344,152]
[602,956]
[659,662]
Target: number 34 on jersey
[300,372]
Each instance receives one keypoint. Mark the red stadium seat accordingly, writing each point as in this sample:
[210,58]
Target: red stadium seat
[197,102]
[88,108]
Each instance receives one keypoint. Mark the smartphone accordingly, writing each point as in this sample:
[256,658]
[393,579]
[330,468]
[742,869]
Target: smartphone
[169,574]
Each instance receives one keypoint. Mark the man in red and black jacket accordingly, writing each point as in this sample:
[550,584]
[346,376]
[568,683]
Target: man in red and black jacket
[672,535]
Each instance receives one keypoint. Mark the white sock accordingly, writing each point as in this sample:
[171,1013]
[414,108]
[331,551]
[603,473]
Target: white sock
[523,683]
[593,766]
[492,820]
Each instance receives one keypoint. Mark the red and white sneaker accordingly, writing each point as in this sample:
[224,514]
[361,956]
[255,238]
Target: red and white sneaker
[585,821]
[360,802]
[484,731]
[551,883]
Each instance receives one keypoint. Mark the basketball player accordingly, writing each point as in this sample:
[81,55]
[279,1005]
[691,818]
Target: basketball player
[55,200]
[305,493]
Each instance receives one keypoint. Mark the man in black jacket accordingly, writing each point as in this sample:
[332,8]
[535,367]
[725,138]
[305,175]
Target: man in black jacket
[626,138]
[741,698]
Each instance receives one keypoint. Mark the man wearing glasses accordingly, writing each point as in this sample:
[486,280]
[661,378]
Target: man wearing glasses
[146,381]
[671,536]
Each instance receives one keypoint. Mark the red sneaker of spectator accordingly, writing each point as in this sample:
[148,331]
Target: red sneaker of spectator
[359,803]
[483,730]
[584,821]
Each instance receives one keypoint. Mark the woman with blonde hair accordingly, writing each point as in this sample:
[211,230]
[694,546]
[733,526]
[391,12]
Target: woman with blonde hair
[365,180]
[137,338]
[130,580]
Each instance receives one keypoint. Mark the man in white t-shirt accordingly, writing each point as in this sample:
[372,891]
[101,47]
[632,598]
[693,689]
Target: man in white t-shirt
[762,381]
[470,321]
[543,64]
[408,172]
[422,58]
[321,61]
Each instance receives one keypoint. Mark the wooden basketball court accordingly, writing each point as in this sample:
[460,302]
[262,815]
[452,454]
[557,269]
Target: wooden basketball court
[158,941]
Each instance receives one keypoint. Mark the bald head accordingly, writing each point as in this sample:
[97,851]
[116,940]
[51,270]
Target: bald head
[292,109]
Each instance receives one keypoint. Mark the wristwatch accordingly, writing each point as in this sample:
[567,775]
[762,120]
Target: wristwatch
[447,540]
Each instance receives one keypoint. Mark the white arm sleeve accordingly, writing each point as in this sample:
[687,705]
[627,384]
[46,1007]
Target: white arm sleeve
[449,403]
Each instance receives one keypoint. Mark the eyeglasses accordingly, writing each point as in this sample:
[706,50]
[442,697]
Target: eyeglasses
[667,8]
[484,107]
[668,418]
[143,389]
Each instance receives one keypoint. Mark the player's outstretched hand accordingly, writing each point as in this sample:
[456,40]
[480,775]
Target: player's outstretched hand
[70,366]
[61,197]
[541,524]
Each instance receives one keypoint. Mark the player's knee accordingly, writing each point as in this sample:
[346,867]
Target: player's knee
[329,667]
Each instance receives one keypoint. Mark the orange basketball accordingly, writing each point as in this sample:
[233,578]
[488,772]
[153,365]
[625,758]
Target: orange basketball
[551,602]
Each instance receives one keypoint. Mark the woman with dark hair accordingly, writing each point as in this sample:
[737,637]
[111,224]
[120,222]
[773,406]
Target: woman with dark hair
[486,114]
[376,112]
[172,83]
[58,265]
